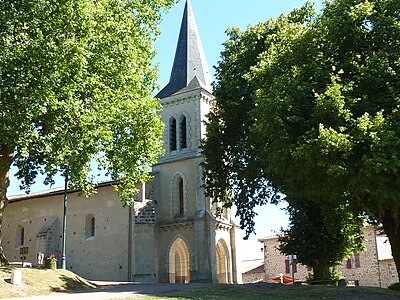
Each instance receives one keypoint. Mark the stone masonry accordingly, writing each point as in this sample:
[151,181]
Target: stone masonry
[363,268]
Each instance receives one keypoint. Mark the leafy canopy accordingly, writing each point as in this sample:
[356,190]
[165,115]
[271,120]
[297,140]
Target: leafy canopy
[309,104]
[76,83]
[232,154]
[332,98]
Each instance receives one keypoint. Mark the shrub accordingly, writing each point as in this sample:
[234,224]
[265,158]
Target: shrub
[334,277]
[395,286]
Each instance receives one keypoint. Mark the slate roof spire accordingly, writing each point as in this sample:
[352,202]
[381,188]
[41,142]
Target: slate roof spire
[190,65]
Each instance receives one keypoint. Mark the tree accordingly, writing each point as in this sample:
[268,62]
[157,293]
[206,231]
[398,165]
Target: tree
[332,98]
[325,118]
[231,155]
[321,240]
[231,150]
[76,83]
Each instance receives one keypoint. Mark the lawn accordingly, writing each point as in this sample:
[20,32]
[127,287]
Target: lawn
[41,282]
[281,292]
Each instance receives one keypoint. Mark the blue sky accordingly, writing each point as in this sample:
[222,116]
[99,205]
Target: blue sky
[213,17]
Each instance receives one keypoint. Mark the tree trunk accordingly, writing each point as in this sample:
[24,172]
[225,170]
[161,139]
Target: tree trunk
[321,272]
[6,158]
[391,226]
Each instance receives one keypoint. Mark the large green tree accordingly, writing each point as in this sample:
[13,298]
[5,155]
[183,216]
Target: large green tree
[76,84]
[332,97]
[232,152]
[233,165]
[323,113]
[231,156]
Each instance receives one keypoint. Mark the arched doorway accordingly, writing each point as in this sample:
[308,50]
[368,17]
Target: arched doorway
[223,263]
[179,262]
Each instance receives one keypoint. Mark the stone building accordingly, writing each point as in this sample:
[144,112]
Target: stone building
[172,234]
[252,270]
[100,237]
[372,267]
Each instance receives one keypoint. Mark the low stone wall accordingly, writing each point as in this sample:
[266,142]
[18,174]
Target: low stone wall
[252,277]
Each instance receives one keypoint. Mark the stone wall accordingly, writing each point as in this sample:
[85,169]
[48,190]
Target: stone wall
[145,242]
[31,215]
[366,272]
[145,251]
[253,277]
[274,261]
[388,272]
[103,256]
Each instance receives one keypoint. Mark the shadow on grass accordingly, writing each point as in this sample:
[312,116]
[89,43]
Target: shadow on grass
[6,270]
[6,274]
[73,284]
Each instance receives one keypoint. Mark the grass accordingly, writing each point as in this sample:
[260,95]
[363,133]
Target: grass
[41,282]
[280,292]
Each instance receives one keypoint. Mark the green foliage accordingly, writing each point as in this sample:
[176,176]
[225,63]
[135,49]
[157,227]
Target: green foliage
[321,240]
[76,84]
[395,286]
[335,92]
[338,117]
[333,277]
[232,161]
[308,105]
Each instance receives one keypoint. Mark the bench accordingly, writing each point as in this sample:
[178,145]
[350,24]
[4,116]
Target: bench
[24,264]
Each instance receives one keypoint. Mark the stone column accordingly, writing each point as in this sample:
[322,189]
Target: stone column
[236,263]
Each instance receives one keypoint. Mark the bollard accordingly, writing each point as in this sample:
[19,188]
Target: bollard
[16,277]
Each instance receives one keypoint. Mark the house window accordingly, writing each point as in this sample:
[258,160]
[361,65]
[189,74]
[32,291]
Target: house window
[20,236]
[288,267]
[357,260]
[354,261]
[182,132]
[172,134]
[90,225]
[181,197]
[348,263]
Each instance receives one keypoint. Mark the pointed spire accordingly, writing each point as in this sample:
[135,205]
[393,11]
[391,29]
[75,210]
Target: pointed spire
[190,61]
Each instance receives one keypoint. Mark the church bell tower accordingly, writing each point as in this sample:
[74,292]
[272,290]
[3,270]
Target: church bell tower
[193,245]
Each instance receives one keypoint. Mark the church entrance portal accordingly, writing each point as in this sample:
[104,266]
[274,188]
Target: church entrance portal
[179,262]
[223,263]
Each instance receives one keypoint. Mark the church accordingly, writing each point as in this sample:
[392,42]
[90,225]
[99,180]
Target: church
[172,233]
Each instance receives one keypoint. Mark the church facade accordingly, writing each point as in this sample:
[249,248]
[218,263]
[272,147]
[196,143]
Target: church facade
[172,233]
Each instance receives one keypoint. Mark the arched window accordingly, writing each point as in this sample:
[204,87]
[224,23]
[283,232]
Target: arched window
[90,225]
[20,236]
[181,197]
[172,134]
[182,132]
[179,201]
